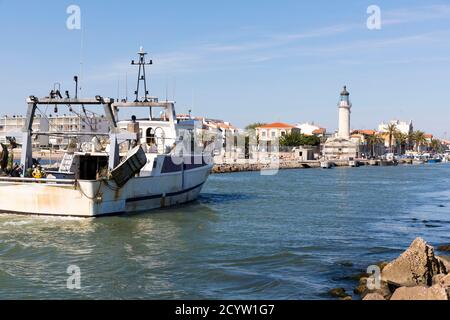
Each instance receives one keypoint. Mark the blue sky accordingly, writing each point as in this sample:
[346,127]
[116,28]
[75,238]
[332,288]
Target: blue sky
[242,61]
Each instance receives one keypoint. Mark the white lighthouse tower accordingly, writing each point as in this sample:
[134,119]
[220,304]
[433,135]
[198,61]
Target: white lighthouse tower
[344,114]
[342,146]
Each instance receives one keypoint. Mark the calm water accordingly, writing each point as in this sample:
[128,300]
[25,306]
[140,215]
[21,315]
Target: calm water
[290,236]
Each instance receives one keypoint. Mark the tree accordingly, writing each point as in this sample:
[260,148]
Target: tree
[295,139]
[391,131]
[373,141]
[436,146]
[253,126]
[401,140]
[411,140]
[419,139]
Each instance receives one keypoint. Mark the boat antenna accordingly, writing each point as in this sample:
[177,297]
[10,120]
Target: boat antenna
[167,90]
[141,74]
[118,89]
[126,86]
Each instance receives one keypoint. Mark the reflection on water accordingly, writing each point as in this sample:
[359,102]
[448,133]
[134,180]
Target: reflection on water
[289,236]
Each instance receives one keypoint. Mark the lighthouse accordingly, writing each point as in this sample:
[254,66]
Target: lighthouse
[341,145]
[344,114]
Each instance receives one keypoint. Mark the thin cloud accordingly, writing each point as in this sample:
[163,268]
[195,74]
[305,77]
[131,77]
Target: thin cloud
[418,14]
[212,56]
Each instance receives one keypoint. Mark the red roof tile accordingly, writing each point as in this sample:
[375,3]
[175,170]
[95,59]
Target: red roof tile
[277,125]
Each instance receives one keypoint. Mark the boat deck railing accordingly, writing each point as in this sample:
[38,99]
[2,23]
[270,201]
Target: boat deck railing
[41,180]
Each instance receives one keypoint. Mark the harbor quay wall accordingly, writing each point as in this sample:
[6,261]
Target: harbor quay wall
[281,165]
[241,166]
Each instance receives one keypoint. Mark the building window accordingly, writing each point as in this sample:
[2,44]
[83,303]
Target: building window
[263,133]
[273,134]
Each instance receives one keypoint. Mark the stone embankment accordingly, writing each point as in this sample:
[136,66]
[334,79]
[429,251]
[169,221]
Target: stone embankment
[229,166]
[417,274]
[239,167]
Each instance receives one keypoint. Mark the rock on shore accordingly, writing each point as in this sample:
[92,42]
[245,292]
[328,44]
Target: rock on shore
[416,266]
[417,274]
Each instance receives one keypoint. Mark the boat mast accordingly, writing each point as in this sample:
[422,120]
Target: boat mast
[141,74]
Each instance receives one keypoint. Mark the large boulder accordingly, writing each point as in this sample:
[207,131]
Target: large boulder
[338,293]
[444,282]
[438,278]
[382,290]
[415,267]
[374,296]
[445,261]
[420,293]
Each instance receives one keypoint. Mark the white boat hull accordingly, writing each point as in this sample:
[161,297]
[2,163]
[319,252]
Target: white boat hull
[325,165]
[100,198]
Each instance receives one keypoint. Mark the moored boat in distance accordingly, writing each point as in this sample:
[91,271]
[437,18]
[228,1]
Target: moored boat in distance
[325,164]
[353,163]
[418,161]
[434,160]
[141,165]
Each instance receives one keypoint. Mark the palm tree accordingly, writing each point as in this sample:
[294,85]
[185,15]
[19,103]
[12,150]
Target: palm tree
[411,140]
[419,139]
[391,131]
[373,141]
[436,145]
[401,139]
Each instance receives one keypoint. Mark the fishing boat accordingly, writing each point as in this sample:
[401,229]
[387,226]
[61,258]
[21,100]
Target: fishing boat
[325,164]
[353,163]
[138,168]
[418,159]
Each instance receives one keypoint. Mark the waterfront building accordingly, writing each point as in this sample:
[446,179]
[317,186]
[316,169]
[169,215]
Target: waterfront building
[276,130]
[268,135]
[370,142]
[12,126]
[207,129]
[305,153]
[75,123]
[426,146]
[341,145]
[310,129]
[403,127]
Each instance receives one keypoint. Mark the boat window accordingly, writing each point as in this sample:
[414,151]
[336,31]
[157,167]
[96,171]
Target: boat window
[159,114]
[150,134]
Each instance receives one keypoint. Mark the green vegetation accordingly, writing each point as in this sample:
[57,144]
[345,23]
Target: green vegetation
[253,126]
[296,139]
[401,140]
[436,146]
[418,139]
[373,141]
[392,132]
